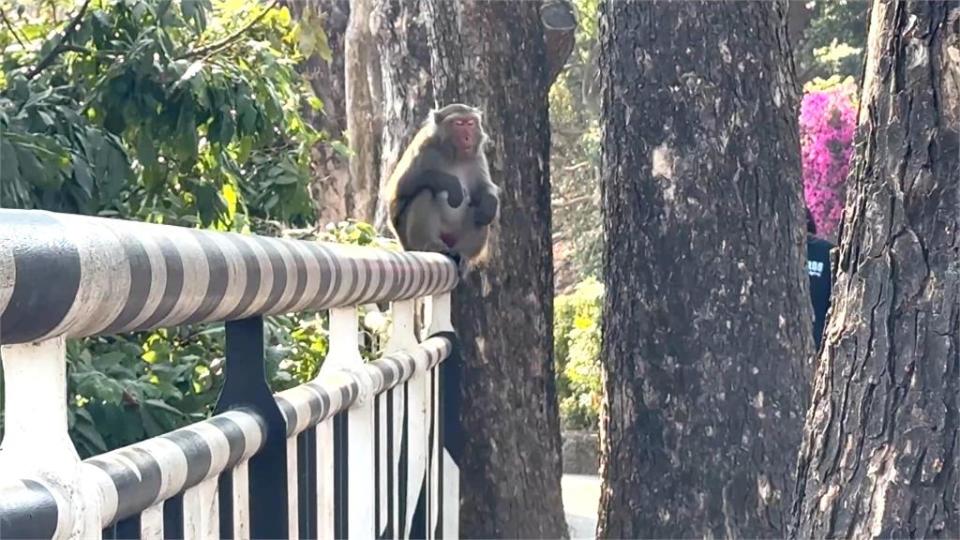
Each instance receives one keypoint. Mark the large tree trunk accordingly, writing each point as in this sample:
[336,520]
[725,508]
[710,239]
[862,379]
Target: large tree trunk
[706,316]
[512,469]
[432,53]
[880,456]
[364,110]
[331,173]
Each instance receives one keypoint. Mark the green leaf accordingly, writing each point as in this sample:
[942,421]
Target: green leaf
[188,8]
[146,150]
[81,174]
[189,74]
[89,432]
[9,164]
[284,180]
[340,148]
[158,404]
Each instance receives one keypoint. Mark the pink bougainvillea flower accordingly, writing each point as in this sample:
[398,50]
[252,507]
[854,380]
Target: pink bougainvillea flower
[827,125]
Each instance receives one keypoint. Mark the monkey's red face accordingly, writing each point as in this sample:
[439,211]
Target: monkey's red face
[465,131]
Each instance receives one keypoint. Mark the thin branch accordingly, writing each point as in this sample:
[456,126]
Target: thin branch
[76,49]
[67,32]
[218,45]
[557,203]
[8,24]
[577,166]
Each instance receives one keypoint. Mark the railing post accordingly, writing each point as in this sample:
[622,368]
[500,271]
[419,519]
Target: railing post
[245,386]
[402,338]
[445,471]
[357,432]
[36,443]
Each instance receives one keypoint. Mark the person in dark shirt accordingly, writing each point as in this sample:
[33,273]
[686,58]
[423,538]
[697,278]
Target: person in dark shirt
[818,269]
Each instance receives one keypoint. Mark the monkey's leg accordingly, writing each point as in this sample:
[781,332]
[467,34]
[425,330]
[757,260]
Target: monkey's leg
[421,225]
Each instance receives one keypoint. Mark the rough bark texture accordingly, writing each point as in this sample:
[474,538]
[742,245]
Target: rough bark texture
[879,456]
[364,110]
[331,170]
[504,311]
[706,317]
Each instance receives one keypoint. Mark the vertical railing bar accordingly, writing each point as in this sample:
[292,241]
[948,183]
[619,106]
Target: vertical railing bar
[341,475]
[240,482]
[246,386]
[390,531]
[151,523]
[440,453]
[36,441]
[227,502]
[403,482]
[377,466]
[173,517]
[201,516]
[306,473]
[293,493]
[448,418]
[326,480]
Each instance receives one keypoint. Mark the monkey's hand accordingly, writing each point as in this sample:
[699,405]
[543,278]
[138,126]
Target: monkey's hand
[411,184]
[485,209]
[438,181]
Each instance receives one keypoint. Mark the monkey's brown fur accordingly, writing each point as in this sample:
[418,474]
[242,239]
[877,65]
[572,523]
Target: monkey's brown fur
[440,190]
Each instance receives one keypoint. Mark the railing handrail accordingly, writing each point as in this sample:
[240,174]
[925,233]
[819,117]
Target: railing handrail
[78,276]
[365,449]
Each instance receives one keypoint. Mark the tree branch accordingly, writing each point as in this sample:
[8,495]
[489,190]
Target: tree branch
[8,24]
[218,45]
[559,203]
[67,32]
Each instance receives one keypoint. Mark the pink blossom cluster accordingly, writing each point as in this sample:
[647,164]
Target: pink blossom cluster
[827,124]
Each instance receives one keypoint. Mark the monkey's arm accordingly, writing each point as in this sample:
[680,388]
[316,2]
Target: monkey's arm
[485,201]
[411,184]
[433,180]
[427,172]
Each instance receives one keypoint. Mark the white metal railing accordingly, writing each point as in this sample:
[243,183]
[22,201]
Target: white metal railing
[367,449]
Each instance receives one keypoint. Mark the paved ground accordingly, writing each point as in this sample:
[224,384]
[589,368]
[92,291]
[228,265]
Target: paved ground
[581,494]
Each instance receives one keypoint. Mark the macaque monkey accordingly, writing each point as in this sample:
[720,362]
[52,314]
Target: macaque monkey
[440,195]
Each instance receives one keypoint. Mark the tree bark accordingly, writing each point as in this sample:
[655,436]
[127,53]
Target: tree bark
[504,311]
[331,180]
[364,110]
[879,456]
[706,320]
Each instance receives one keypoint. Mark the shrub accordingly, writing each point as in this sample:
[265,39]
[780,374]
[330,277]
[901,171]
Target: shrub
[576,339]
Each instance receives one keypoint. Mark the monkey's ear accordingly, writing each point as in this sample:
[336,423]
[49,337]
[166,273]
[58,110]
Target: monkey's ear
[437,116]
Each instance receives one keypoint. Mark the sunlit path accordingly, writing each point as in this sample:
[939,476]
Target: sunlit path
[581,494]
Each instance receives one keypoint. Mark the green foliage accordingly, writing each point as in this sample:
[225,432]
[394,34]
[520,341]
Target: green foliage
[357,233]
[576,342]
[834,42]
[178,112]
[128,388]
[575,161]
[185,112]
